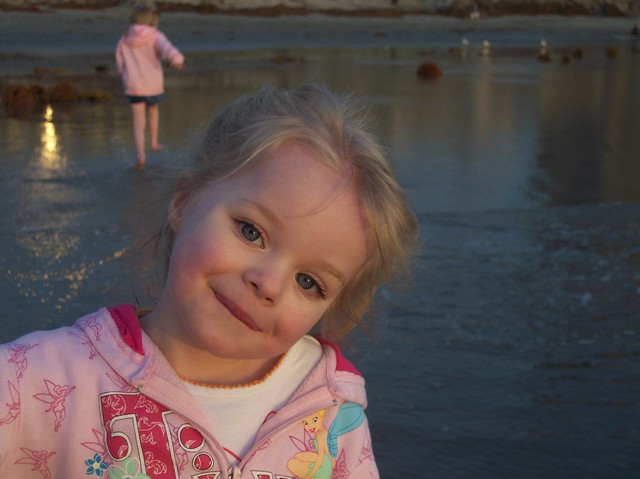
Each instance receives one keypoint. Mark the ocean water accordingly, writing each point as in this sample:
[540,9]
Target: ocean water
[515,352]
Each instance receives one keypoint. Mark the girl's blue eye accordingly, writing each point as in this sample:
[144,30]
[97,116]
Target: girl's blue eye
[250,232]
[305,281]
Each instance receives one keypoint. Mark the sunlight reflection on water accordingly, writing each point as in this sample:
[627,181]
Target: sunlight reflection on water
[52,155]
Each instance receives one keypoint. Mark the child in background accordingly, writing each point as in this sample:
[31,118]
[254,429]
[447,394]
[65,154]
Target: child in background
[288,218]
[139,55]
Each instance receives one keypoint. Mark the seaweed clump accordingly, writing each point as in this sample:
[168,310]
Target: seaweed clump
[23,98]
[428,71]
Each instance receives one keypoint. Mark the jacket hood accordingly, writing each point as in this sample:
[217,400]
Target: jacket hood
[139,35]
[142,360]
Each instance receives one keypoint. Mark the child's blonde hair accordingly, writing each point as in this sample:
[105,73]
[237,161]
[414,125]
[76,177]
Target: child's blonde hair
[257,124]
[144,13]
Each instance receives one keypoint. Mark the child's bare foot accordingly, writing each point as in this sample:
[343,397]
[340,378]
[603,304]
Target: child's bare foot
[139,166]
[158,147]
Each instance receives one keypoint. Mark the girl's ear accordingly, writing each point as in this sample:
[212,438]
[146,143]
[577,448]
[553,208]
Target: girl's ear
[176,209]
[178,204]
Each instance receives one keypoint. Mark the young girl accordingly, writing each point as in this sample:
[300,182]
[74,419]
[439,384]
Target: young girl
[139,55]
[287,219]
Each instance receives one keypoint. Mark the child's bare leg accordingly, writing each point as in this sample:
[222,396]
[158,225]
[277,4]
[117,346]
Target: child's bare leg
[138,111]
[154,125]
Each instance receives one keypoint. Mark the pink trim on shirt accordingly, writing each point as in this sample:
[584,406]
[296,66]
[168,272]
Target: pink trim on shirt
[127,322]
[342,363]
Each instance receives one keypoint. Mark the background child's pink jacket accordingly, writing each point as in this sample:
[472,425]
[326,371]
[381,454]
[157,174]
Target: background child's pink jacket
[139,55]
[99,399]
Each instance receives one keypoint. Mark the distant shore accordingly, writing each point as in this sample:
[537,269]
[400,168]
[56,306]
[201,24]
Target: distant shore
[58,36]
[358,8]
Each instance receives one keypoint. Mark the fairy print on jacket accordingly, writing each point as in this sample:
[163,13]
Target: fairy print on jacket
[99,400]
[319,448]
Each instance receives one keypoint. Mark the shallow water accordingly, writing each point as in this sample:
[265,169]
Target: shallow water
[515,353]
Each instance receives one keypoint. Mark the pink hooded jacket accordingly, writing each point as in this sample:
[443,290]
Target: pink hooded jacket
[139,56]
[99,399]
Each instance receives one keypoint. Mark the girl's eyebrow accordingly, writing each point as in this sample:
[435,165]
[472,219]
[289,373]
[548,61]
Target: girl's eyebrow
[270,215]
[328,267]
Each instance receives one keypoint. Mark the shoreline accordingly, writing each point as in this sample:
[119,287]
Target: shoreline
[496,9]
[371,9]
[65,31]
[75,41]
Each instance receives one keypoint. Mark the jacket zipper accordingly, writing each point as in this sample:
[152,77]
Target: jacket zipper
[235,471]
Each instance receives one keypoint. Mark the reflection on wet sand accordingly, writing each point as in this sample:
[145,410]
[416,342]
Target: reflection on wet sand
[52,155]
[48,271]
[588,140]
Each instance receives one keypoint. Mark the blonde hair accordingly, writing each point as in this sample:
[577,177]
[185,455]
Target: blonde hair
[333,126]
[144,13]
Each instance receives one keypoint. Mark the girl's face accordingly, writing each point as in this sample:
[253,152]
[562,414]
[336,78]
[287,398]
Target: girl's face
[260,256]
[313,422]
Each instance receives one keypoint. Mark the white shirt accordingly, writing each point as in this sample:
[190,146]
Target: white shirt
[237,413]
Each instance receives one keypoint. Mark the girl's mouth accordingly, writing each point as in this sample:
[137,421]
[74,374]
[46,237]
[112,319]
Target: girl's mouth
[240,315]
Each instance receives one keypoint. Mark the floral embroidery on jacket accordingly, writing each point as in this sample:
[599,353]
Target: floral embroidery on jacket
[96,465]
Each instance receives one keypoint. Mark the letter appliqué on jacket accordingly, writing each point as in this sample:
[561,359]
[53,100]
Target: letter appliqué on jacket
[142,441]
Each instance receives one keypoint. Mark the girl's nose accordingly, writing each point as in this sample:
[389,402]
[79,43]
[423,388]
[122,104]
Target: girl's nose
[266,282]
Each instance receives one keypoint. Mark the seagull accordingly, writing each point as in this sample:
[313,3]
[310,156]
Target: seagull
[543,47]
[465,47]
[544,55]
[484,50]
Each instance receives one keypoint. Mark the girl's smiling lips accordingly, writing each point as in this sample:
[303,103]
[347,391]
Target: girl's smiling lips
[240,315]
